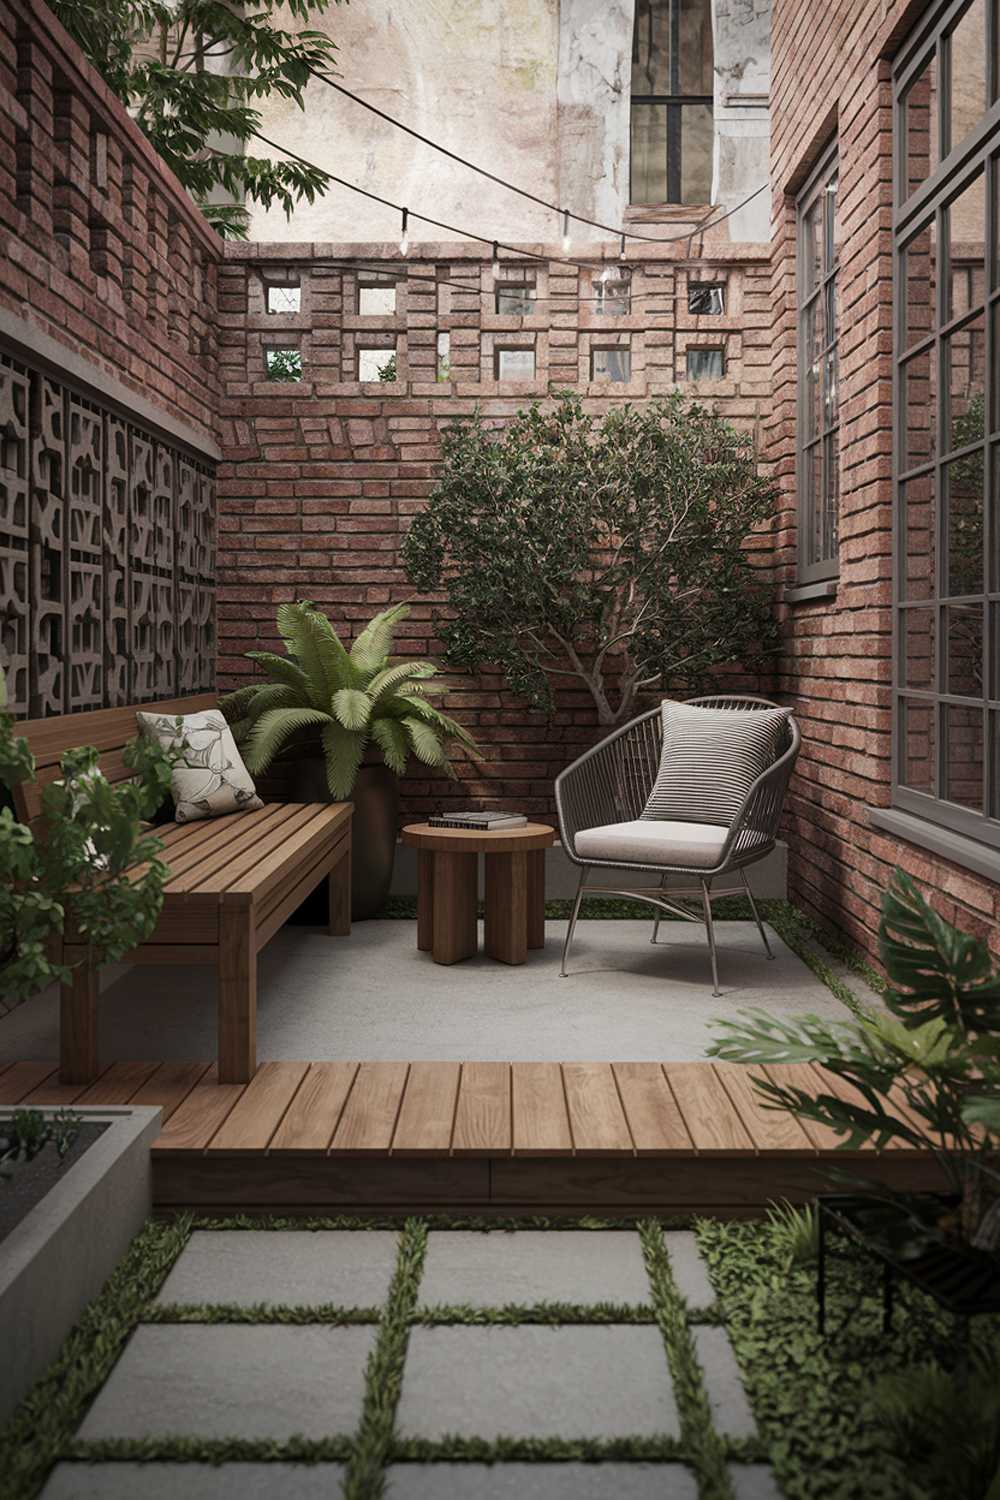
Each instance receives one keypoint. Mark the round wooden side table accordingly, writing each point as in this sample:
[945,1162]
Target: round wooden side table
[448,889]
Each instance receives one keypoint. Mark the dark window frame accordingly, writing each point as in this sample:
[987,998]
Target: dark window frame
[675,102]
[696,287]
[823,564]
[719,349]
[915,212]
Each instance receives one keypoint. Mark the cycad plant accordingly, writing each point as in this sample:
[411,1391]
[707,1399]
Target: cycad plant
[926,1072]
[342,700]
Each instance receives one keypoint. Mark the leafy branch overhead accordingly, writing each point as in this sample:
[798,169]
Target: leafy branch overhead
[193,73]
[612,552]
[341,701]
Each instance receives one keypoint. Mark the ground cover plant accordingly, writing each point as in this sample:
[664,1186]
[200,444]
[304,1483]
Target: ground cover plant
[613,551]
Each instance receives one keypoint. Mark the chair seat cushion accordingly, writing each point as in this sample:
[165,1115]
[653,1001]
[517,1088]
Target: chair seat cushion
[647,841]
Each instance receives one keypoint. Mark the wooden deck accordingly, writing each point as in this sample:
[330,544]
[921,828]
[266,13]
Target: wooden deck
[473,1136]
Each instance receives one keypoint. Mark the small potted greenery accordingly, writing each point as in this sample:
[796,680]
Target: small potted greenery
[349,720]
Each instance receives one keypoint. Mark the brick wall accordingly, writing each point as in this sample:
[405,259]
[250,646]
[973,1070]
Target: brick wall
[837,667]
[322,476]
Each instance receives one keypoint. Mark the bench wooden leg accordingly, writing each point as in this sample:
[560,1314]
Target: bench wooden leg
[237,996]
[78,1025]
[340,896]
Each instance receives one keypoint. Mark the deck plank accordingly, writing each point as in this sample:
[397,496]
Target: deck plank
[596,1117]
[707,1109]
[482,1116]
[169,1086]
[369,1118]
[258,1112]
[22,1078]
[55,1095]
[313,1115]
[771,1130]
[540,1118]
[195,1122]
[654,1120]
[118,1084]
[801,1076]
[829,1083]
[427,1114]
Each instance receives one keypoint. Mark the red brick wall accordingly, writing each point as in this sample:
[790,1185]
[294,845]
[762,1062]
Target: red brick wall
[322,476]
[837,668]
[99,244]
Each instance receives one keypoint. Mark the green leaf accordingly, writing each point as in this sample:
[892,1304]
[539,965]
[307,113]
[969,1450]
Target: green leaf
[273,729]
[283,670]
[352,707]
[936,970]
[342,751]
[425,742]
[375,642]
[392,740]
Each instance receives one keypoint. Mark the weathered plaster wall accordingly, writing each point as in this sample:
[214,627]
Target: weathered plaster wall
[535,90]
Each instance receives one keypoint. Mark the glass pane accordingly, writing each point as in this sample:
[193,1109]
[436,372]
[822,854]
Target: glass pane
[812,473]
[706,298]
[994,579]
[697,138]
[965,368]
[964,626]
[994,726]
[515,364]
[705,364]
[813,339]
[610,364]
[921,126]
[968,73]
[812,248]
[917,745]
[830,518]
[963,504]
[963,747]
[651,48]
[918,648]
[918,399]
[920,280]
[965,232]
[916,498]
[614,294]
[695,46]
[515,300]
[649,153]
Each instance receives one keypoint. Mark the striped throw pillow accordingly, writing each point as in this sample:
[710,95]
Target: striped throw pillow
[710,759]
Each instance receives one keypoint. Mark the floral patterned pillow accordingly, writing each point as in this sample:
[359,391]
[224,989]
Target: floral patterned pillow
[210,778]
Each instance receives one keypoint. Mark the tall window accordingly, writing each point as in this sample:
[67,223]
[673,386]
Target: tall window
[818,413]
[672,82]
[947,429]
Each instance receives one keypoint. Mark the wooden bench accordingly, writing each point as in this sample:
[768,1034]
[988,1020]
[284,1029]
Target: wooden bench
[233,882]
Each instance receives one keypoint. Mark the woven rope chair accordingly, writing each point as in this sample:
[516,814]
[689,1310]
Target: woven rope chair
[611,784]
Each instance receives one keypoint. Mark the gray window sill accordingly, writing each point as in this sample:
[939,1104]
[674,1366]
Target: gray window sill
[963,851]
[805,593]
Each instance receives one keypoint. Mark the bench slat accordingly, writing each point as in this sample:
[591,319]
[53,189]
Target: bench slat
[301,848]
[242,832]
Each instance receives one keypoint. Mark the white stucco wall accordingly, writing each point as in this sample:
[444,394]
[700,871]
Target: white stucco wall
[535,90]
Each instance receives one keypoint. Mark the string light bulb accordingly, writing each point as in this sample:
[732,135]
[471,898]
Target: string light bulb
[496,260]
[404,234]
[621,250]
[565,233]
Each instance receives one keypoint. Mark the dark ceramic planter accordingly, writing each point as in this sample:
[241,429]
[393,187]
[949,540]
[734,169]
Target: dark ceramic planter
[373,830]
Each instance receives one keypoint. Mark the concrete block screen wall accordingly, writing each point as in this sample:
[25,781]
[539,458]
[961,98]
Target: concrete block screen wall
[322,473]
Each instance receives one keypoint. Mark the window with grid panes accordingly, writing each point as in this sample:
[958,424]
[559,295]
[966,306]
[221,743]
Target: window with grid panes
[818,424]
[671,106]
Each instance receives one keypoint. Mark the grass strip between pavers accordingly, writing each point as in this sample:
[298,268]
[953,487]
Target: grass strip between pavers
[293,1314]
[199,1450]
[473,1223]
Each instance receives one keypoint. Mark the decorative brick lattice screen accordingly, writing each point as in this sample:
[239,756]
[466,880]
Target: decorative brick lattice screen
[107,555]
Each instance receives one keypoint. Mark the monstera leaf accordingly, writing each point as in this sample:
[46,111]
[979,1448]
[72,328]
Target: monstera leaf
[937,972]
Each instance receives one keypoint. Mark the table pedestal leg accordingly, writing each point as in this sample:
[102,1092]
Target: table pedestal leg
[425,900]
[536,898]
[454,907]
[507,907]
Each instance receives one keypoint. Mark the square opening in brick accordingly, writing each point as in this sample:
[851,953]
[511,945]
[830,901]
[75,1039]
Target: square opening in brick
[377,364]
[613,293]
[707,298]
[705,364]
[611,364]
[515,299]
[283,364]
[283,299]
[376,297]
[443,356]
[514,364]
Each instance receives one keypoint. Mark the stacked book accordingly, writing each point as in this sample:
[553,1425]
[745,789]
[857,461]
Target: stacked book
[480,820]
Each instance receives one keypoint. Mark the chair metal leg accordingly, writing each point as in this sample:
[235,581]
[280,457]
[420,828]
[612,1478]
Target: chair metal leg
[706,902]
[756,913]
[658,919]
[572,922]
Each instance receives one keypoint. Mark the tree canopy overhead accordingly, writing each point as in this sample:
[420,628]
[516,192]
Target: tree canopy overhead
[193,73]
[613,551]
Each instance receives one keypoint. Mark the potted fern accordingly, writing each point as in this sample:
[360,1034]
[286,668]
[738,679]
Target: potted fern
[349,720]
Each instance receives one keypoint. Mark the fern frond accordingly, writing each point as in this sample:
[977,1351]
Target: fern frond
[234,705]
[342,751]
[391,679]
[375,642]
[283,670]
[391,738]
[352,708]
[425,742]
[339,671]
[273,728]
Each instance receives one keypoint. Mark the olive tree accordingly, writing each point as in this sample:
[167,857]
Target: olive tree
[612,551]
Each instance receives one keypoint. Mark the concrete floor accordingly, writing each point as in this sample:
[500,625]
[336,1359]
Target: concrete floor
[374,996]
